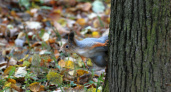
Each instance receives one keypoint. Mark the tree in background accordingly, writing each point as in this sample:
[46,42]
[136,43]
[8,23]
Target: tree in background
[139,48]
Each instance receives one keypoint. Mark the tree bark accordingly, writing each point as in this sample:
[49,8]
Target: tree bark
[139,48]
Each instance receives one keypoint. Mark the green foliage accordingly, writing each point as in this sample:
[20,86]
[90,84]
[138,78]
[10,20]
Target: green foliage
[54,78]
[2,82]
[28,79]
[12,71]
[26,63]
[25,3]
[57,34]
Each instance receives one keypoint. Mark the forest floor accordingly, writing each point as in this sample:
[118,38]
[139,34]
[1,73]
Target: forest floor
[31,35]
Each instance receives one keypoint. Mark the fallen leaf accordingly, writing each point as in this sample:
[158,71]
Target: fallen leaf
[35,87]
[12,81]
[81,21]
[52,40]
[62,31]
[26,63]
[84,6]
[61,63]
[69,64]
[12,61]
[71,72]
[37,44]
[45,36]
[9,69]
[95,34]
[33,25]
[54,77]
[81,72]
[21,72]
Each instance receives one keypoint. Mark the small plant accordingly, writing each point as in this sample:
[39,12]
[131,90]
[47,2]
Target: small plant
[28,79]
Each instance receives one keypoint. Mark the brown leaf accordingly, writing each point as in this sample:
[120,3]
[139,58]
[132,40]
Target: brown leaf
[52,40]
[13,13]
[84,7]
[36,44]
[62,31]
[84,78]
[34,87]
[8,69]
[14,86]
[61,63]
[12,81]
[81,72]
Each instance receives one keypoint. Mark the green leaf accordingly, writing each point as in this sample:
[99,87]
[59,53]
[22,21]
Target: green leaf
[25,3]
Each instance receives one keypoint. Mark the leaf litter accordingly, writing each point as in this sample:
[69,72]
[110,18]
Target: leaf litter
[31,35]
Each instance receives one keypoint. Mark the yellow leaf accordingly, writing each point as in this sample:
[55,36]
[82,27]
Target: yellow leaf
[81,72]
[69,64]
[81,21]
[12,81]
[34,86]
[54,77]
[93,90]
[8,84]
[8,69]
[95,34]
[24,58]
[108,20]
[61,63]
[62,22]
[89,63]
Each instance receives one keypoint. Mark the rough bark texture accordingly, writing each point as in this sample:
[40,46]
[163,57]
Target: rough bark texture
[140,55]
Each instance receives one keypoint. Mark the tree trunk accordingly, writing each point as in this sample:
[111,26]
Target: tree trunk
[139,48]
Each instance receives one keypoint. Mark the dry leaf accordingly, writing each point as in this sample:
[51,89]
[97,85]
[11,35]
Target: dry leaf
[81,21]
[62,31]
[84,7]
[45,36]
[33,25]
[96,23]
[81,72]
[61,63]
[69,64]
[71,72]
[9,69]
[14,86]
[12,61]
[36,44]
[52,40]
[34,87]
[21,72]
[12,81]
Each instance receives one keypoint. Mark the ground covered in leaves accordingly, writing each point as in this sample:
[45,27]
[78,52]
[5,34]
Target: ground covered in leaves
[31,35]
